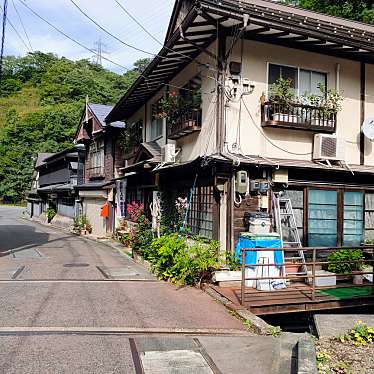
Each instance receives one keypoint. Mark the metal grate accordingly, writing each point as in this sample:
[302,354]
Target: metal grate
[328,146]
[200,218]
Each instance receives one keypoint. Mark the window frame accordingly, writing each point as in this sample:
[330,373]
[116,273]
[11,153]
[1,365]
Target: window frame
[340,211]
[97,157]
[154,122]
[298,68]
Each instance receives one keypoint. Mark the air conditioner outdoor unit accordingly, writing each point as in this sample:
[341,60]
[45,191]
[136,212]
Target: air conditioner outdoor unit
[328,147]
[168,153]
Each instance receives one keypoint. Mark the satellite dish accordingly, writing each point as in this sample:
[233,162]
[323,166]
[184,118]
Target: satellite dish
[368,128]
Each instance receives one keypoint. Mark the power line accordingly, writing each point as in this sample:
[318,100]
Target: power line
[138,23]
[148,32]
[5,10]
[92,50]
[16,31]
[18,34]
[69,37]
[22,24]
[114,36]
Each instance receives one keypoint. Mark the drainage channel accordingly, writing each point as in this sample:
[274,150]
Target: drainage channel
[304,321]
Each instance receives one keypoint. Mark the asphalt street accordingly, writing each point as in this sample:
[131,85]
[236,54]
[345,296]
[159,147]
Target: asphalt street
[71,305]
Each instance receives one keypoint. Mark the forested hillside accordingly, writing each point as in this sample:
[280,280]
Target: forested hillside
[41,99]
[358,10]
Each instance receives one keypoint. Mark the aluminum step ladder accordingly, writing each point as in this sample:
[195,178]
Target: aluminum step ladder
[285,222]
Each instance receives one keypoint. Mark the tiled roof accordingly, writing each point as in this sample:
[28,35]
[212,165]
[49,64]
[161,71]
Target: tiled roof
[101,111]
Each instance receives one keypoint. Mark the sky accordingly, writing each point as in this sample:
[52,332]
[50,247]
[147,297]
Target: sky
[154,15]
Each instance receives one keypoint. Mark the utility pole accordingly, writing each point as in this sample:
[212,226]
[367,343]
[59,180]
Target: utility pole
[99,49]
[5,10]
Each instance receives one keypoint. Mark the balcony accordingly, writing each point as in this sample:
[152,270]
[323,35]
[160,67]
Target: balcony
[186,123]
[96,172]
[298,116]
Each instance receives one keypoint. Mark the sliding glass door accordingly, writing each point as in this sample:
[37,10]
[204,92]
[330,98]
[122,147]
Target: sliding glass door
[331,224]
[322,218]
[353,225]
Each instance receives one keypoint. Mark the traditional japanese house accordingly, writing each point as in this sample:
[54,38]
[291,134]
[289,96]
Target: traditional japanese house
[56,176]
[103,157]
[232,142]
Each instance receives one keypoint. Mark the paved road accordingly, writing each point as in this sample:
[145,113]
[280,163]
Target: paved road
[69,305]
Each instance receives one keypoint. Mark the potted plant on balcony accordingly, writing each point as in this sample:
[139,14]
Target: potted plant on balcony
[329,102]
[282,95]
[345,263]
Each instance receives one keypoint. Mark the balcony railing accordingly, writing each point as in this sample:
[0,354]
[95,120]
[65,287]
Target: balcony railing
[311,272]
[96,172]
[186,123]
[297,116]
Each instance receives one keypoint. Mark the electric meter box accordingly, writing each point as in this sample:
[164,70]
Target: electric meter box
[254,186]
[241,182]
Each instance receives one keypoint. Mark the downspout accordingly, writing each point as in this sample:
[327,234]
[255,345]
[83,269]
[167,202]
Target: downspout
[362,111]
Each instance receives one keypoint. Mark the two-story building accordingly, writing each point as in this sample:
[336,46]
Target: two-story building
[103,158]
[54,185]
[204,105]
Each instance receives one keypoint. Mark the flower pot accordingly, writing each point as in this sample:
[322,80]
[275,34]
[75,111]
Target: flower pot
[292,268]
[284,117]
[322,122]
[358,279]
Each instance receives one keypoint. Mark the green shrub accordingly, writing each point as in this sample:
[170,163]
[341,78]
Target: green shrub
[361,334]
[50,214]
[344,261]
[173,258]
[82,223]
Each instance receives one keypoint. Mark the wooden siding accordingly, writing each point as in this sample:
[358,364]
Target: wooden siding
[108,158]
[249,204]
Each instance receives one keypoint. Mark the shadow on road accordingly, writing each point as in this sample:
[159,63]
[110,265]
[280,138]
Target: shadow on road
[17,236]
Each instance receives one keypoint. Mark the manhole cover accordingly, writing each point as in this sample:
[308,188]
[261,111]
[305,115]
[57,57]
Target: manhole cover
[76,265]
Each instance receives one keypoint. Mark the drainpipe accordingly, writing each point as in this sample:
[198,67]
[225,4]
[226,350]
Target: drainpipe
[337,78]
[362,111]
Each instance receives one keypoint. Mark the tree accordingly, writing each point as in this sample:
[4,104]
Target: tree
[356,10]
[61,87]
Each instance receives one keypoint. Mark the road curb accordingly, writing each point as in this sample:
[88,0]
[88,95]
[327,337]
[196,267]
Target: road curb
[259,325]
[119,330]
[306,356]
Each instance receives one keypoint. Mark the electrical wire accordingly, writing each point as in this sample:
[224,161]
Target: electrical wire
[16,31]
[71,38]
[117,38]
[148,32]
[22,24]
[18,34]
[269,140]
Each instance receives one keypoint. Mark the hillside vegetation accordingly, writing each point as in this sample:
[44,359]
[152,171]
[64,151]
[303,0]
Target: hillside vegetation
[41,99]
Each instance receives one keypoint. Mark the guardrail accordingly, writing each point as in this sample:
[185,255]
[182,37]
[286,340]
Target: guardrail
[313,259]
[298,116]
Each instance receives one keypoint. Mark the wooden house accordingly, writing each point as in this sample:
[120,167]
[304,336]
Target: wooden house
[221,60]
[103,158]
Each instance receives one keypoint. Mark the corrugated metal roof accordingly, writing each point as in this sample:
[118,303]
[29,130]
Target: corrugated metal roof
[154,149]
[101,111]
[41,157]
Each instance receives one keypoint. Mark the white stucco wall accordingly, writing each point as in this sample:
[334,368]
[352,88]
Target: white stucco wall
[255,140]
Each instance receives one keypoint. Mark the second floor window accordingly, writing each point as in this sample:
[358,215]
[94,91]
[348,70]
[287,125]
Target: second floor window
[303,81]
[157,122]
[97,158]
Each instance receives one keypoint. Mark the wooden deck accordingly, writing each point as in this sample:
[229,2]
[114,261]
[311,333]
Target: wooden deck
[297,297]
